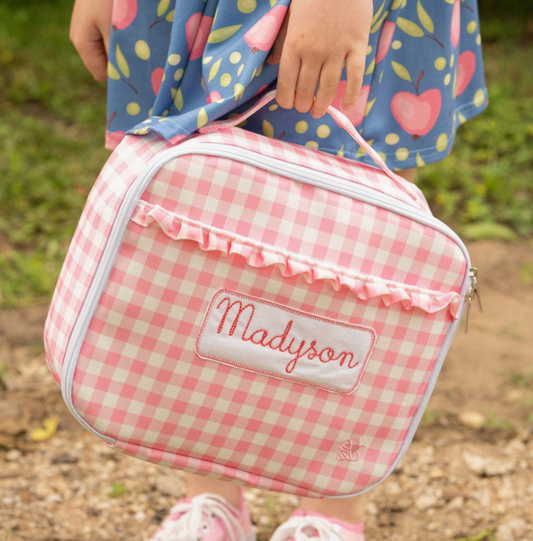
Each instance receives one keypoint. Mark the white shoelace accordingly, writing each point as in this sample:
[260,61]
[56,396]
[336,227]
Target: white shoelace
[186,527]
[295,526]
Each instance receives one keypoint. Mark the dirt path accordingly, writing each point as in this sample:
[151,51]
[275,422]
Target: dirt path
[468,474]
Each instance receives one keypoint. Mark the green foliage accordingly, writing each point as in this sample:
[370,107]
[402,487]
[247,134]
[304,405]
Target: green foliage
[484,536]
[431,417]
[526,273]
[117,490]
[4,372]
[521,379]
[52,134]
[488,178]
[496,422]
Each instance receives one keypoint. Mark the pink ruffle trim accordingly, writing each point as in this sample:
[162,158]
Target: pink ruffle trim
[260,255]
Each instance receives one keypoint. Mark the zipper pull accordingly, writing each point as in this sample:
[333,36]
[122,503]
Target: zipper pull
[472,293]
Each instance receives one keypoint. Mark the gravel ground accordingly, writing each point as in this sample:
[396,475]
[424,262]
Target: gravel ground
[468,475]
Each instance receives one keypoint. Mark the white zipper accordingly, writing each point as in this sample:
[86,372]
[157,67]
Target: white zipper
[195,146]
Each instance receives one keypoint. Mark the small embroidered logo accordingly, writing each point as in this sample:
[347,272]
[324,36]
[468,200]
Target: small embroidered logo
[350,451]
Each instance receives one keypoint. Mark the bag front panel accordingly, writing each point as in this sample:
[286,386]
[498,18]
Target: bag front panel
[139,380]
[89,241]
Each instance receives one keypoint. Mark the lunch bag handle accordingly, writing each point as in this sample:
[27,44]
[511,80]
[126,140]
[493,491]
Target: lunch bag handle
[340,119]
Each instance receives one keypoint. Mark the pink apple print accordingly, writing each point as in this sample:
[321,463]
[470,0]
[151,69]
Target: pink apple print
[416,114]
[197,30]
[357,112]
[465,70]
[455,30]
[263,33]
[214,96]
[124,12]
[157,78]
[385,40]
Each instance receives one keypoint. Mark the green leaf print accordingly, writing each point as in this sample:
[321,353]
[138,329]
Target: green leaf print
[214,70]
[177,98]
[401,71]
[378,14]
[112,72]
[202,118]
[377,26]
[425,19]
[410,28]
[398,4]
[238,91]
[222,34]
[268,129]
[162,7]
[122,64]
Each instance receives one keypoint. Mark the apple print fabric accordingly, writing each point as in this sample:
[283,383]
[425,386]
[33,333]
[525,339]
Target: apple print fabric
[175,65]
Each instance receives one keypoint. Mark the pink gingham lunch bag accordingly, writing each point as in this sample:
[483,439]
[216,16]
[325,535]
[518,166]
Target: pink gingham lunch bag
[241,307]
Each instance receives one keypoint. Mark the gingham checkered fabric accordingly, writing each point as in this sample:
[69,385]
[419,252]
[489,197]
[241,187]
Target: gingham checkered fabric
[138,379]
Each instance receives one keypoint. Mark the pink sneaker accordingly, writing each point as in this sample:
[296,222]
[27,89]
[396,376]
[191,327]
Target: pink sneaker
[206,518]
[307,526]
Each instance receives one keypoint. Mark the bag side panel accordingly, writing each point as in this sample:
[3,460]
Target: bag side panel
[89,241]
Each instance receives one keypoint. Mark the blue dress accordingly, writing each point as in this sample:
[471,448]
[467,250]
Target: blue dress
[175,65]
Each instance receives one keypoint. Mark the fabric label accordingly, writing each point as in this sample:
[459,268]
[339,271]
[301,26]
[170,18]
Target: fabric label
[275,340]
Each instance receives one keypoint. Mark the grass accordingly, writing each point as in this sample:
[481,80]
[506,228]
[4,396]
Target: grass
[524,382]
[53,115]
[484,536]
[494,421]
[488,179]
[431,417]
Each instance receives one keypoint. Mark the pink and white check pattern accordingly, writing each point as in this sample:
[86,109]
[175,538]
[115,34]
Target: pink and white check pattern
[138,379]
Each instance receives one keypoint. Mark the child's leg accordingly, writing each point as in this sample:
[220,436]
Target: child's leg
[349,510]
[197,484]
[408,174]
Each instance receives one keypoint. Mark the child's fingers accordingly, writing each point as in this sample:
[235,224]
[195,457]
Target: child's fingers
[306,86]
[90,29]
[355,66]
[329,81]
[94,56]
[97,62]
[289,68]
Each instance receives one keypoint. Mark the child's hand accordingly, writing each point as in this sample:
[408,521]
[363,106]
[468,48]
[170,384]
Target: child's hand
[316,37]
[90,28]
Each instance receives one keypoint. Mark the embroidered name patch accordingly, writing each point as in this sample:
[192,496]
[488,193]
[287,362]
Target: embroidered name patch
[275,340]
